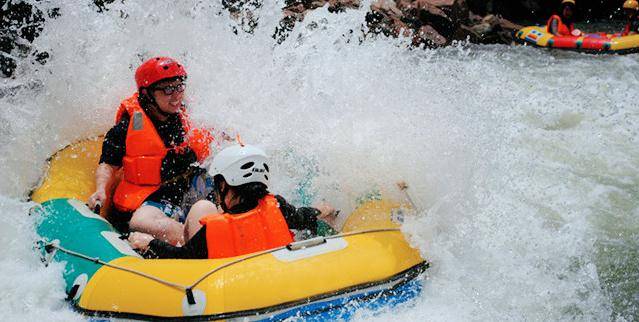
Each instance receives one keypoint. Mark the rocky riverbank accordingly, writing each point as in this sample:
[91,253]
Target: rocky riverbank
[429,23]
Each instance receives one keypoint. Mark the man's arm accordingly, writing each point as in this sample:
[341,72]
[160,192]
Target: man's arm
[104,177]
[113,150]
[303,218]
[195,248]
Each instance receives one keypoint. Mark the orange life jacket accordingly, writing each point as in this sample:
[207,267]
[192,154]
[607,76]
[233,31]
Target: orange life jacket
[229,235]
[145,151]
[562,29]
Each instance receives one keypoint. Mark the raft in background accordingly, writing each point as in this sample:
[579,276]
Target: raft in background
[592,43]
[369,266]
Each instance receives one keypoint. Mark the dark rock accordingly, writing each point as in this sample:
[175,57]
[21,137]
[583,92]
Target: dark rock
[21,23]
[493,29]
[428,34]
[243,13]
[430,22]
[295,10]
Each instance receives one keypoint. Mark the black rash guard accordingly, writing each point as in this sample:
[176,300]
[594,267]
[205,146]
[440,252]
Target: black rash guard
[303,218]
[174,164]
[632,26]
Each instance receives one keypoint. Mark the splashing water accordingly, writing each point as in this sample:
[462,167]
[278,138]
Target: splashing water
[523,161]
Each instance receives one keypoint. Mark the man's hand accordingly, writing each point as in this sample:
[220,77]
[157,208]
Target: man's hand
[97,198]
[104,177]
[328,214]
[140,240]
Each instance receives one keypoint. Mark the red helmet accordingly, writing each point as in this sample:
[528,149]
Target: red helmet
[156,69]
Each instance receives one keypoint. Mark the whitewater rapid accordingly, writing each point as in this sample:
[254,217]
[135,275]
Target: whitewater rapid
[523,162]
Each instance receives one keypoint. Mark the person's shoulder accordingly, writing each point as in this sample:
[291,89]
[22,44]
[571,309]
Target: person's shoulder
[281,201]
[124,120]
[121,127]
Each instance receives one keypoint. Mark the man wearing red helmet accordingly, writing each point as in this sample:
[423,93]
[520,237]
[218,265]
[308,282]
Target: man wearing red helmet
[154,144]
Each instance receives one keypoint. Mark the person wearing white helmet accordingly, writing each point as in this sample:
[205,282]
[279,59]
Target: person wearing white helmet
[249,217]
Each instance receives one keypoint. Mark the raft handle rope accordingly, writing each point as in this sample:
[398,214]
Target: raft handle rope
[52,247]
[97,260]
[403,188]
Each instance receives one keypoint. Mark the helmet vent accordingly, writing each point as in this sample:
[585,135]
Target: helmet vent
[247,165]
[266,167]
[165,67]
[248,175]
[266,177]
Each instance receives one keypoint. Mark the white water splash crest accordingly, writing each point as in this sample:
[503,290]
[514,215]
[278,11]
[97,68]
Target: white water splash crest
[523,161]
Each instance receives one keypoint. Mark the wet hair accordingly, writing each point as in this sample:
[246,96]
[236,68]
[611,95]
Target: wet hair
[252,191]
[249,193]
[146,100]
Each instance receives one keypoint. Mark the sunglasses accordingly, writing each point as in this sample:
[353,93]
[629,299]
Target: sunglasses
[168,90]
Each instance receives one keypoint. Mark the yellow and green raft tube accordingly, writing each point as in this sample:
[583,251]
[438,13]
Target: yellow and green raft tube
[593,43]
[368,265]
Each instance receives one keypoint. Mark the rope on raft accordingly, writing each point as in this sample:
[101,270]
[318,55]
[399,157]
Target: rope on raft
[51,247]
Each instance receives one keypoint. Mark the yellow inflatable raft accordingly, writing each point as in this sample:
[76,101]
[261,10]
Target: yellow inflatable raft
[368,265]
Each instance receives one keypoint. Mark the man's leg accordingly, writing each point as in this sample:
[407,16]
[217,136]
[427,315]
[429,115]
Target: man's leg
[151,220]
[198,210]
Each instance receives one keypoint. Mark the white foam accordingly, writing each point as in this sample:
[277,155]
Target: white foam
[525,159]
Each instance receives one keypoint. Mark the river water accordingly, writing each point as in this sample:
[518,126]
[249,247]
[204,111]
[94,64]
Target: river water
[523,162]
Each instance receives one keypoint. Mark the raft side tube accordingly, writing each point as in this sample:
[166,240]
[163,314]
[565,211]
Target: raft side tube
[590,43]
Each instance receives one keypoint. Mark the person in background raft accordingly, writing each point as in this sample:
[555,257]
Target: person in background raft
[252,219]
[563,25]
[156,146]
[631,8]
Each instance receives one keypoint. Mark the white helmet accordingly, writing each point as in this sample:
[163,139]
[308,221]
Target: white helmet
[240,164]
